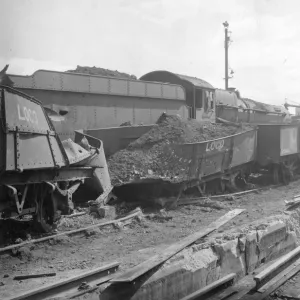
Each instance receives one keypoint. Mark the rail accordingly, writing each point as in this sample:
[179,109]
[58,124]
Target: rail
[68,288]
[11,247]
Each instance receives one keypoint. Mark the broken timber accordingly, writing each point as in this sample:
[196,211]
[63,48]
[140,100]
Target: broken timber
[275,283]
[281,262]
[210,287]
[158,259]
[238,291]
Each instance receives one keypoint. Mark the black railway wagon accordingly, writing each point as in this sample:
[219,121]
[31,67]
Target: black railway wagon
[278,150]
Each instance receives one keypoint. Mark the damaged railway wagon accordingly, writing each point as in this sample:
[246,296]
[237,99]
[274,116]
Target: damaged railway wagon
[39,173]
[177,155]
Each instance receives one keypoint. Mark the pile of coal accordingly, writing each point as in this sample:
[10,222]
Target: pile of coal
[153,155]
[102,72]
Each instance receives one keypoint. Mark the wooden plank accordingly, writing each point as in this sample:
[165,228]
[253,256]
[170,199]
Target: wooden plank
[292,202]
[275,283]
[292,206]
[137,271]
[281,276]
[236,292]
[242,287]
[210,287]
[275,266]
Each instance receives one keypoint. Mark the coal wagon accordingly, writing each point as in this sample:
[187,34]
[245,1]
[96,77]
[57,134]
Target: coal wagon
[278,149]
[223,160]
[210,167]
[39,173]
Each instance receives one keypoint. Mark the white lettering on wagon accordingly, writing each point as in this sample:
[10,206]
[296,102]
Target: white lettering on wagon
[27,114]
[215,145]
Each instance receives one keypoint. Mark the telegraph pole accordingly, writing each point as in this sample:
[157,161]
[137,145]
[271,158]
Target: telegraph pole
[226,44]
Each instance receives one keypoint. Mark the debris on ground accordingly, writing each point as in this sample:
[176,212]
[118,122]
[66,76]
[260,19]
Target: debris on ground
[152,155]
[30,276]
[203,202]
[24,253]
[92,231]
[140,240]
[81,220]
[84,286]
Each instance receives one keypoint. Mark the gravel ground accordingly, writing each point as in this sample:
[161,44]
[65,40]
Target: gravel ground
[132,244]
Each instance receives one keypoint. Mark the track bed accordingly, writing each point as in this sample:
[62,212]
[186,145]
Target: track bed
[132,244]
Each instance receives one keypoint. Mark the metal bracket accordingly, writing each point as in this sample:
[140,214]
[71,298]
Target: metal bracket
[17,150]
[14,193]
[51,148]
[53,187]
[69,191]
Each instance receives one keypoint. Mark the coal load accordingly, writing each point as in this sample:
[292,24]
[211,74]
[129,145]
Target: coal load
[152,156]
[102,72]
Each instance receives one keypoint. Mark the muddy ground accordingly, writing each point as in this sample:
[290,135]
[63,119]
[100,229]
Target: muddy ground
[131,245]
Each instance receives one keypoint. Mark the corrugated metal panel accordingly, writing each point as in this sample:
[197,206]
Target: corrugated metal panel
[74,82]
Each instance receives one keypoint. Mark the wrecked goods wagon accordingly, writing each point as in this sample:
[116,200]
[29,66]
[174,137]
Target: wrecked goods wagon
[278,150]
[39,173]
[185,153]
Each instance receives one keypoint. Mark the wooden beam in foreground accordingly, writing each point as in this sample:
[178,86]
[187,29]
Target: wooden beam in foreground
[137,271]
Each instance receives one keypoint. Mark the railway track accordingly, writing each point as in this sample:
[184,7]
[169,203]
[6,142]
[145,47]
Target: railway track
[72,232]
[70,288]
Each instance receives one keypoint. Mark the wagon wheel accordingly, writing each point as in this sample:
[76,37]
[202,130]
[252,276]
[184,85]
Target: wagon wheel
[46,209]
[232,182]
[291,168]
[275,174]
[201,188]
[222,186]
[285,174]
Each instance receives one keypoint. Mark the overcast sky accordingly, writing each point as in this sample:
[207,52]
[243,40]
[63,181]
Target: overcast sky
[139,36]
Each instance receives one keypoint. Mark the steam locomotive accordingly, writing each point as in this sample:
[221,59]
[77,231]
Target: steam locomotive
[92,102]
[99,105]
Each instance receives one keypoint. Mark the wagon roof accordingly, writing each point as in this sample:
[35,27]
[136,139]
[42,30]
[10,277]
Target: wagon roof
[197,82]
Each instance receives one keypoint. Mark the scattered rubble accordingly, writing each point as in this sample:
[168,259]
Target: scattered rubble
[153,154]
[138,241]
